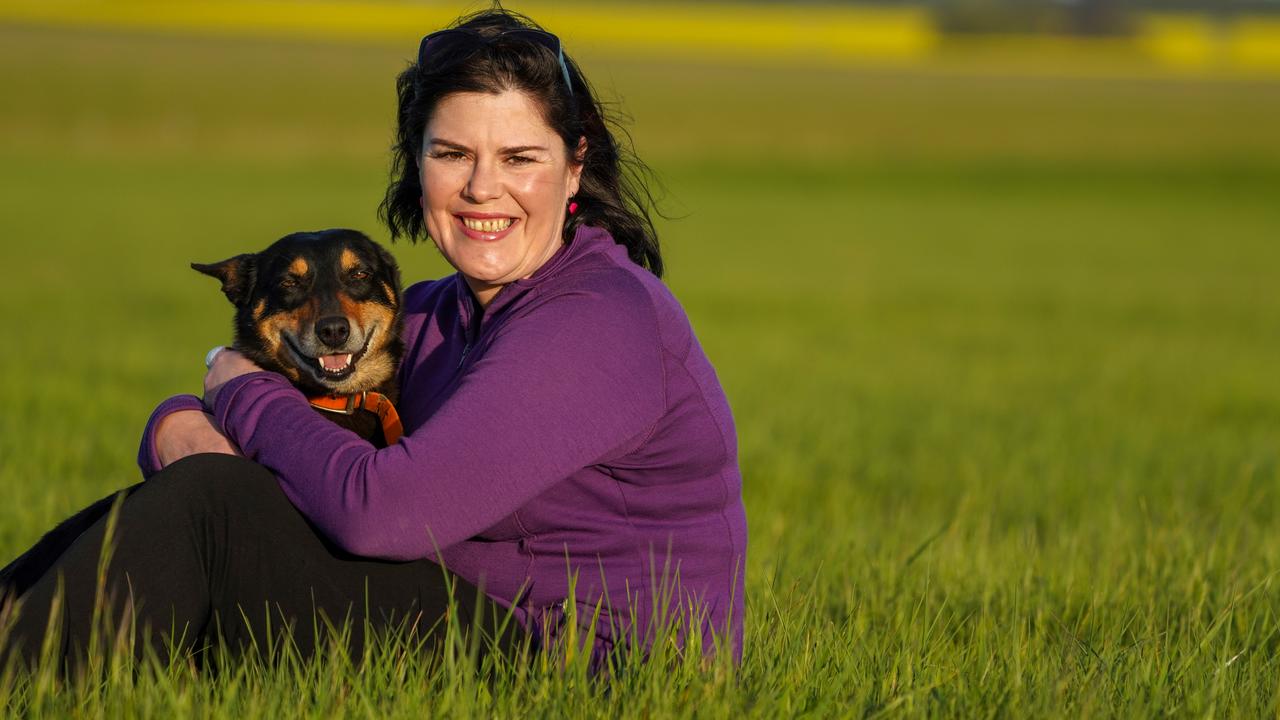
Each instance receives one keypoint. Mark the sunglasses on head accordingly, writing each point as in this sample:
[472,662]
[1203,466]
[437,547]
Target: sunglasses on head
[439,40]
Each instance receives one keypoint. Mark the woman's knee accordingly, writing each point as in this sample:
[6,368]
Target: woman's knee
[212,481]
[212,464]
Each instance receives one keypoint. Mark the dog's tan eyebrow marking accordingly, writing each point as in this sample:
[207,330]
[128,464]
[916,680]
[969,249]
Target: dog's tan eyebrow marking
[349,259]
[299,266]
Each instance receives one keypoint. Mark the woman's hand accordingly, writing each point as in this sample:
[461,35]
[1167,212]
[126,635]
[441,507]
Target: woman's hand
[189,432]
[227,365]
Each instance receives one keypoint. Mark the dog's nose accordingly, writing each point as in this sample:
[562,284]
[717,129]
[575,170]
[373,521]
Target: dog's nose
[333,331]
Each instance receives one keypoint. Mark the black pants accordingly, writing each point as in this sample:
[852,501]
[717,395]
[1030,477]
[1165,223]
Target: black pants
[211,551]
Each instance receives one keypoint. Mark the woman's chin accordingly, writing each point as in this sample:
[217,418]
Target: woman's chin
[480,278]
[483,269]
[486,275]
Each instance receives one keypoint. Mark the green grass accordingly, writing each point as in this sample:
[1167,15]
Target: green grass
[1002,352]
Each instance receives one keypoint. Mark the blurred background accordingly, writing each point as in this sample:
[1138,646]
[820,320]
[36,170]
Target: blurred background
[991,284]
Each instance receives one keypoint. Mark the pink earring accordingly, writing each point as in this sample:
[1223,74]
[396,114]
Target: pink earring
[573,208]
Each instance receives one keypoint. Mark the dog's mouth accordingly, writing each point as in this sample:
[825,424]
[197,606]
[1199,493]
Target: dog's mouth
[334,367]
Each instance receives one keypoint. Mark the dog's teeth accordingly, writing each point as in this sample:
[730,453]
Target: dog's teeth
[334,363]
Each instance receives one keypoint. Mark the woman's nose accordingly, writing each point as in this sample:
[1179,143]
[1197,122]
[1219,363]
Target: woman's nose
[484,184]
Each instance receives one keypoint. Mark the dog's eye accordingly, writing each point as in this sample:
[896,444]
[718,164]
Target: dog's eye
[359,275]
[288,283]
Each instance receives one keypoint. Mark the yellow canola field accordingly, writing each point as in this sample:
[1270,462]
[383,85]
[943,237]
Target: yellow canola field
[813,34]
[820,33]
[1199,43]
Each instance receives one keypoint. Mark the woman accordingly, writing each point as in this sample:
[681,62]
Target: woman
[566,438]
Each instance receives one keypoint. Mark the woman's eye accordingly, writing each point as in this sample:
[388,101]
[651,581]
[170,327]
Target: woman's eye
[520,160]
[449,155]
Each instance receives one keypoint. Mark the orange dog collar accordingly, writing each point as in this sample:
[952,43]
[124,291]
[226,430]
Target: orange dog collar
[376,403]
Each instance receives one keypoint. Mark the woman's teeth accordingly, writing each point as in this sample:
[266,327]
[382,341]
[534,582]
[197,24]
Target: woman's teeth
[487,225]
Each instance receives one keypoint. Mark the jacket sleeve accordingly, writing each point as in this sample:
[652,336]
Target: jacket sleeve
[148,458]
[573,381]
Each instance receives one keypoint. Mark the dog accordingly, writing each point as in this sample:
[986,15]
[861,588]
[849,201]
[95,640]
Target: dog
[323,309]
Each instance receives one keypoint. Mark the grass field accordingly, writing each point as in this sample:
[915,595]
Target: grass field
[1002,349]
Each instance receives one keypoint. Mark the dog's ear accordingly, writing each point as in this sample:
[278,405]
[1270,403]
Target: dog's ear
[236,273]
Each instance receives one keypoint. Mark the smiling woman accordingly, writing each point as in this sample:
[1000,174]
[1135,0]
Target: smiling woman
[495,180]
[568,448]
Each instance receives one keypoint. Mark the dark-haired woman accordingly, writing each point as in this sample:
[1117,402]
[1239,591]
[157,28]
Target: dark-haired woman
[568,446]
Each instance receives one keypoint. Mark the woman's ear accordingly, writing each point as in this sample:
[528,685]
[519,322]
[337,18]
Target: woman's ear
[575,167]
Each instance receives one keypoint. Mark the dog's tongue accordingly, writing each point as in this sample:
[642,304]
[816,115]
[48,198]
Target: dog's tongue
[335,362]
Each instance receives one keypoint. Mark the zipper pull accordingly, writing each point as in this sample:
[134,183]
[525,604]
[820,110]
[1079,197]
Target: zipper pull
[465,349]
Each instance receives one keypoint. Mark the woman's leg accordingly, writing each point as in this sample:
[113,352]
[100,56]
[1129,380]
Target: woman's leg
[210,549]
[18,576]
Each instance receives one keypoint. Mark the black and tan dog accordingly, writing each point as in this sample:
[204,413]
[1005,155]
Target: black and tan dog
[323,309]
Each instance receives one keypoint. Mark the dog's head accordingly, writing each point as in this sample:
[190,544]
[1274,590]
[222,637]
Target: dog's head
[321,308]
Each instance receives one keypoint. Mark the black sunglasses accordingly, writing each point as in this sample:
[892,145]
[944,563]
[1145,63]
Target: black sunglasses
[438,39]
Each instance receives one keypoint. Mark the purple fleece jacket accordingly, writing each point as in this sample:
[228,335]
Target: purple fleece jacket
[574,427]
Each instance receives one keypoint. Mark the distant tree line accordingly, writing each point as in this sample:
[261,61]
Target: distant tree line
[1079,17]
[1205,6]
[1074,17]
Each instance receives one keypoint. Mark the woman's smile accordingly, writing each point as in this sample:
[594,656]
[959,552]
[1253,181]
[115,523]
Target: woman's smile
[486,227]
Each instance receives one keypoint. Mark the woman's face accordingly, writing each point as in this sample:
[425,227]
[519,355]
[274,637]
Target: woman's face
[495,184]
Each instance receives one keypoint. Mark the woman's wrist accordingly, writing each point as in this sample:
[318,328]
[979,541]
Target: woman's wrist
[189,432]
[148,458]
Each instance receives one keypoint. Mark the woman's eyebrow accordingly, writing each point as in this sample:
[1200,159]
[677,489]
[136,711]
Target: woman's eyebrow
[503,151]
[448,143]
[520,149]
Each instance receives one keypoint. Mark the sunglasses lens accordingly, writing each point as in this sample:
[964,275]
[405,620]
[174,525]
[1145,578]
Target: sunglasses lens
[436,42]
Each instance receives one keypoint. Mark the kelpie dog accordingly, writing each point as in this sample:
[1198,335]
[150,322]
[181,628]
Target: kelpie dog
[321,308]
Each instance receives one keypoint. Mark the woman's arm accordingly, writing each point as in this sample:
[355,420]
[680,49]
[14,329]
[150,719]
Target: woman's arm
[179,427]
[574,382]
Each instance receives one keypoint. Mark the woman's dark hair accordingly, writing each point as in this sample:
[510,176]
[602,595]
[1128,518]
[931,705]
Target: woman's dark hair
[612,193]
